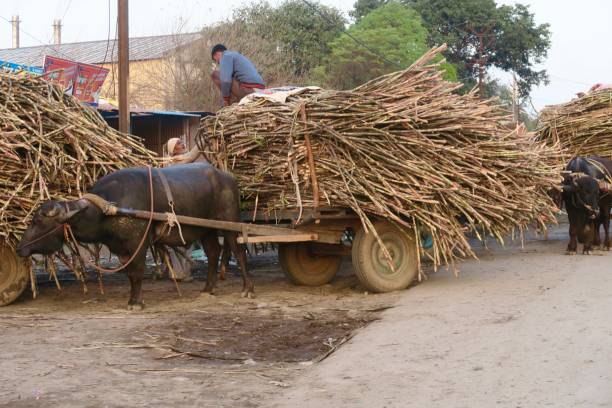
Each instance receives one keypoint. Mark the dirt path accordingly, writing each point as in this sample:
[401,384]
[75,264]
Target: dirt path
[75,350]
[520,328]
[529,328]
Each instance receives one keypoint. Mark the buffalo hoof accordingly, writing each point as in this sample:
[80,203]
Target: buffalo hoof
[586,252]
[248,294]
[209,291]
[136,307]
[570,253]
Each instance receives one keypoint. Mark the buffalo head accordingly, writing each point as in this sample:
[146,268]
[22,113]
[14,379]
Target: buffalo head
[45,234]
[585,192]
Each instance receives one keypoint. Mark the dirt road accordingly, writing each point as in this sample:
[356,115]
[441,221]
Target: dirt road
[74,350]
[520,328]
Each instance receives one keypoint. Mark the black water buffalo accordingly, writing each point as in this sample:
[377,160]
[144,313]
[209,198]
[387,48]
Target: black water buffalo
[587,201]
[199,190]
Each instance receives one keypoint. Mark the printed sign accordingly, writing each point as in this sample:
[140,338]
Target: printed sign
[20,68]
[61,71]
[84,81]
[89,80]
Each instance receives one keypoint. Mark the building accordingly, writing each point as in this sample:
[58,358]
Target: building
[150,59]
[156,127]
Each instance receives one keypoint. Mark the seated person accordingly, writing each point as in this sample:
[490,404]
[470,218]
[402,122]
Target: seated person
[236,77]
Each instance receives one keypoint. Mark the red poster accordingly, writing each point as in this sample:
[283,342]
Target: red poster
[84,81]
[61,71]
[89,82]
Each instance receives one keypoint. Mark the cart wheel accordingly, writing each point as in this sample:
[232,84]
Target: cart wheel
[371,266]
[14,275]
[302,267]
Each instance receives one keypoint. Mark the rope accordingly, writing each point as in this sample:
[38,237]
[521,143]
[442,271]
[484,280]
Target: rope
[46,234]
[172,220]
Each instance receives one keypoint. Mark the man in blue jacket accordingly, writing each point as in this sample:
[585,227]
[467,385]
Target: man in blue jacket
[236,77]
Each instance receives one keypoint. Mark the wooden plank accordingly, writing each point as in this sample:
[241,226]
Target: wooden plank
[279,238]
[251,229]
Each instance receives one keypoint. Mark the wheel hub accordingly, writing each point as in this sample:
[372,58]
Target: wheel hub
[394,250]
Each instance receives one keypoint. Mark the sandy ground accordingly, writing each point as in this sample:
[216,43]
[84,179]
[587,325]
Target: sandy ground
[520,328]
[72,349]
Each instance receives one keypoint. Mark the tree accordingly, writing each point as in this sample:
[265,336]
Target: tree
[182,81]
[481,35]
[301,30]
[362,8]
[395,34]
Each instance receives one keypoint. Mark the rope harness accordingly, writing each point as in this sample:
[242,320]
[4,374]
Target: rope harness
[171,220]
[110,209]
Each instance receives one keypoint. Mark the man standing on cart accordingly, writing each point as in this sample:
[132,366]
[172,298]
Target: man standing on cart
[236,76]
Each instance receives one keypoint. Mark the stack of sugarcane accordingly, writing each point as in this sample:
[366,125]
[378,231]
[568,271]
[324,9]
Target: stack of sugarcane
[405,147]
[52,146]
[582,126]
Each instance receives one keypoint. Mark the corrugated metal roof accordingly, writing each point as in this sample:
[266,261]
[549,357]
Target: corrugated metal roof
[99,52]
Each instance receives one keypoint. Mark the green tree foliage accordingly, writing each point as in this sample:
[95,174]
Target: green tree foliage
[393,31]
[362,8]
[302,31]
[506,37]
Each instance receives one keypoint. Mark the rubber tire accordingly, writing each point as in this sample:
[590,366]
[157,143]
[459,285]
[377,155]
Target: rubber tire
[303,268]
[14,275]
[371,266]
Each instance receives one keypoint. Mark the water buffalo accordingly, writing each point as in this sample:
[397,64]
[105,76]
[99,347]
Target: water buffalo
[199,190]
[587,201]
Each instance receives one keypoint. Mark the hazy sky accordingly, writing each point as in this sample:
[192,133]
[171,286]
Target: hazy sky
[581,52]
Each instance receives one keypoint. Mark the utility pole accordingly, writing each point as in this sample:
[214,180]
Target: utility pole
[124,67]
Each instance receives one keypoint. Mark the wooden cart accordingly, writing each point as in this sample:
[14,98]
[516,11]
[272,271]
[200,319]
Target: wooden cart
[310,249]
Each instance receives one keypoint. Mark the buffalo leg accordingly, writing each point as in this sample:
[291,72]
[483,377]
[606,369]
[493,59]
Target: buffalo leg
[572,246]
[135,272]
[589,233]
[225,257]
[239,251]
[596,238]
[605,217]
[211,246]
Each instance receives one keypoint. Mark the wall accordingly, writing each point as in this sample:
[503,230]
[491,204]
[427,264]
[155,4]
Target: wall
[157,129]
[150,86]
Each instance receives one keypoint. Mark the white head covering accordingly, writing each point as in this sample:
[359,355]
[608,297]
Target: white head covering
[172,144]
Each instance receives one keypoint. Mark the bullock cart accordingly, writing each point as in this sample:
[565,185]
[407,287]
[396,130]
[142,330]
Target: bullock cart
[311,244]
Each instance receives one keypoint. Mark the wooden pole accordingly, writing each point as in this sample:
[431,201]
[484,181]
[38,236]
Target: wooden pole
[124,67]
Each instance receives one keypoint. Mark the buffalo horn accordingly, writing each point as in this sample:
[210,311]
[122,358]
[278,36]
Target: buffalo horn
[54,211]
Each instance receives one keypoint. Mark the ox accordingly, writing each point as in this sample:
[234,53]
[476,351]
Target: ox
[198,190]
[587,199]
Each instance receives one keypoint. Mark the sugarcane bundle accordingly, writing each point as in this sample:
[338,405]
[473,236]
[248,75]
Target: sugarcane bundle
[405,147]
[582,126]
[52,146]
